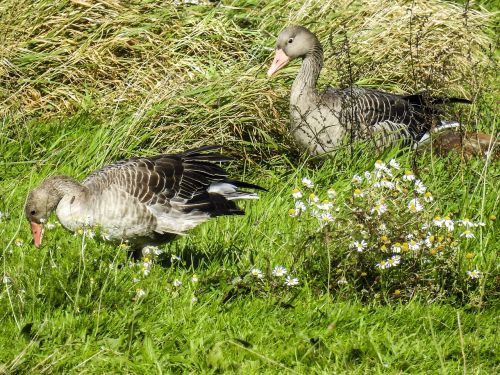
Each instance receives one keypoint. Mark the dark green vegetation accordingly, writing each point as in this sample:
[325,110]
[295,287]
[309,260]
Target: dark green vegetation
[84,83]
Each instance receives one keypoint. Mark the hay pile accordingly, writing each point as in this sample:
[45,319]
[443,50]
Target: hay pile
[196,73]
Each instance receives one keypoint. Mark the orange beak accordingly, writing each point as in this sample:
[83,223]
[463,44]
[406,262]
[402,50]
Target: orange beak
[37,232]
[280,60]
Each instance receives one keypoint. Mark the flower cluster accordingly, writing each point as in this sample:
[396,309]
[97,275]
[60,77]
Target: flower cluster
[388,222]
[278,273]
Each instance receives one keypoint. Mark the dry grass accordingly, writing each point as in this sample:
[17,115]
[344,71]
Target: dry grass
[195,74]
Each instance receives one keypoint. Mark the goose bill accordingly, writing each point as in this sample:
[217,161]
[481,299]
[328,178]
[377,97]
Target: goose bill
[280,60]
[37,232]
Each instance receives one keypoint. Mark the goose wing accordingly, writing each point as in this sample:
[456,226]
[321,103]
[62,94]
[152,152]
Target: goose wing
[184,179]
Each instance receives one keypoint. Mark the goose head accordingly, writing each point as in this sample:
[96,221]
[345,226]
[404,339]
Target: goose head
[293,42]
[42,201]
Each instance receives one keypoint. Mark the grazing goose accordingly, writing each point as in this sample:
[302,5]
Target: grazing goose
[144,200]
[321,121]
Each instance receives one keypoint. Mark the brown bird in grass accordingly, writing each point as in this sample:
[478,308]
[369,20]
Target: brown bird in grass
[144,200]
[320,121]
[468,144]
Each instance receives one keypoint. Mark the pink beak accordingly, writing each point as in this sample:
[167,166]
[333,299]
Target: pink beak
[37,232]
[280,60]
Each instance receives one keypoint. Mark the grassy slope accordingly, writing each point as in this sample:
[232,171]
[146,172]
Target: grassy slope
[72,305]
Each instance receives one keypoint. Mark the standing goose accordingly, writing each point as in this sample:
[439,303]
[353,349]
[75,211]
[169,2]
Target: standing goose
[144,200]
[321,121]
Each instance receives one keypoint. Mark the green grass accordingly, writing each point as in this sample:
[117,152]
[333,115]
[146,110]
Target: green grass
[145,79]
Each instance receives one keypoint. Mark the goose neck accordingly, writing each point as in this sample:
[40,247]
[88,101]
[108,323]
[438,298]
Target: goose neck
[307,78]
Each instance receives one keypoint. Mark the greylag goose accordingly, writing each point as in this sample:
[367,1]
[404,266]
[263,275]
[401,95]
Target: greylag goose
[321,121]
[143,200]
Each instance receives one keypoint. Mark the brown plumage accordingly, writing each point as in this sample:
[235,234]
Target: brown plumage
[144,200]
[321,121]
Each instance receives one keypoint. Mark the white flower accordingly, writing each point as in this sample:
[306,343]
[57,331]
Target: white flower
[408,176]
[279,271]
[157,251]
[428,197]
[383,265]
[382,228]
[325,206]
[420,187]
[312,198]
[358,193]
[474,274]
[6,279]
[368,175]
[438,222]
[291,281]
[19,242]
[194,279]
[294,212]
[194,299]
[50,226]
[140,293]
[449,224]
[2,215]
[324,218]
[256,273]
[331,193]
[396,248]
[413,245]
[387,184]
[467,223]
[177,283]
[467,234]
[307,183]
[357,179]
[394,164]
[380,165]
[146,271]
[379,208]
[415,206]
[300,206]
[359,245]
[136,280]
[174,258]
[394,260]
[296,194]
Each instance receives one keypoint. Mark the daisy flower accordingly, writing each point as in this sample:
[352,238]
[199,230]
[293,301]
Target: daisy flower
[413,245]
[296,193]
[380,165]
[394,164]
[291,281]
[359,245]
[394,260]
[255,272]
[358,193]
[194,279]
[368,175]
[357,179]
[428,197]
[467,234]
[279,271]
[177,283]
[396,248]
[312,198]
[420,187]
[415,206]
[449,224]
[140,293]
[408,176]
[474,274]
[331,193]
[307,183]
[379,208]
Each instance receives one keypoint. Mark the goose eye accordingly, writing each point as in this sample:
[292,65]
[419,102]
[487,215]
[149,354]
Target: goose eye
[290,40]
